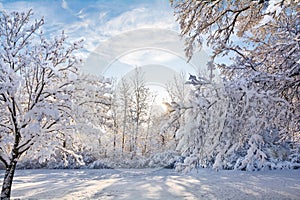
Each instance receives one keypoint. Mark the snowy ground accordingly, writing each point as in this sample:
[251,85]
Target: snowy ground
[154,184]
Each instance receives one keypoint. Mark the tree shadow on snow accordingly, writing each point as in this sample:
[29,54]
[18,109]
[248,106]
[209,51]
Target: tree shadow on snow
[155,184]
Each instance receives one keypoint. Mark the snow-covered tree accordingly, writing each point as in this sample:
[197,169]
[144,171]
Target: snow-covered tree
[139,107]
[132,130]
[132,105]
[174,116]
[262,78]
[177,89]
[199,134]
[261,37]
[227,21]
[92,108]
[36,91]
[123,102]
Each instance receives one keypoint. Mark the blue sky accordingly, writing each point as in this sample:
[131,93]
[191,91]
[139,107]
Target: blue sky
[96,21]
[118,35]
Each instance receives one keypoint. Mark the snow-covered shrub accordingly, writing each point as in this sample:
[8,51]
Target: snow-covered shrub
[58,160]
[122,162]
[255,158]
[98,164]
[31,164]
[283,156]
[294,157]
[189,163]
[167,159]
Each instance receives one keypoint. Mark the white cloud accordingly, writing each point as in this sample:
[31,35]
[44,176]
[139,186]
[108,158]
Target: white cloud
[145,57]
[64,5]
[141,17]
[96,24]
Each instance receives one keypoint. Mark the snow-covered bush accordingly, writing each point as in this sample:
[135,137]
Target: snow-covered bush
[255,158]
[126,161]
[73,155]
[98,164]
[167,159]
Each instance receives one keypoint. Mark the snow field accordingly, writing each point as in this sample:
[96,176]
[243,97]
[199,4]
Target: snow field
[166,184]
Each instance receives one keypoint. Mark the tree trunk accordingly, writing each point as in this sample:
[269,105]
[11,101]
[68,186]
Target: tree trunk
[123,142]
[124,126]
[8,179]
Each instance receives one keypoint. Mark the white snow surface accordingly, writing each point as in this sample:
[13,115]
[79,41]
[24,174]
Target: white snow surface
[155,184]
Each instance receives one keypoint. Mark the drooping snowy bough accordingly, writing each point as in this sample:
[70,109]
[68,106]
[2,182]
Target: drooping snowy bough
[262,82]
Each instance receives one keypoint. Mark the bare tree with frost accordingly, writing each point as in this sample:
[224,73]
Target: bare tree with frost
[36,88]
[124,104]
